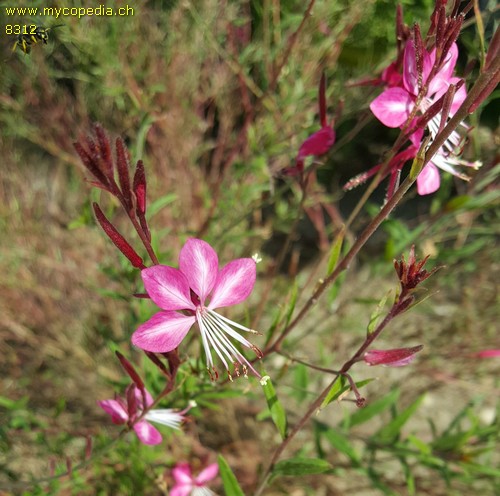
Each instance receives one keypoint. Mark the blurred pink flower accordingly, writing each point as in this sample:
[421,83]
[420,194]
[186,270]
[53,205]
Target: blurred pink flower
[488,354]
[123,412]
[187,290]
[187,485]
[394,106]
[396,357]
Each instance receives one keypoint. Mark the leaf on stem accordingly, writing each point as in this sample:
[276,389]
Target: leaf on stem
[298,466]
[278,413]
[335,251]
[229,480]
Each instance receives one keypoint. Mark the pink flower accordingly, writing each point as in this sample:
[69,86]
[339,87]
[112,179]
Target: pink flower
[396,357]
[187,485]
[187,290]
[394,106]
[127,412]
[488,354]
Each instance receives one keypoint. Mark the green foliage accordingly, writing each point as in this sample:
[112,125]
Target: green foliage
[229,480]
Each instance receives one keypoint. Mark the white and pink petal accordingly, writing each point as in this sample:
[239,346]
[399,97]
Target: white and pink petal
[392,107]
[167,287]
[207,474]
[118,413]
[146,433]
[428,181]
[163,332]
[198,261]
[234,283]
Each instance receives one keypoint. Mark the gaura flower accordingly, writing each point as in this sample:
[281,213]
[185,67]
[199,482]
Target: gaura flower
[196,289]
[394,106]
[397,357]
[129,411]
[187,485]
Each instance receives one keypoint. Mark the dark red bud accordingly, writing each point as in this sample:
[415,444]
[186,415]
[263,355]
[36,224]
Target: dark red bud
[140,187]
[123,164]
[129,369]
[493,50]
[104,151]
[158,363]
[131,402]
[118,240]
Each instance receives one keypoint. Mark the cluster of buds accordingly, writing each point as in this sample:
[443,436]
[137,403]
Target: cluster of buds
[97,157]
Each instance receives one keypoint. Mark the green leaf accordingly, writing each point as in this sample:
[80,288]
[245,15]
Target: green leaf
[390,431]
[372,409]
[231,486]
[375,316]
[160,203]
[335,251]
[339,388]
[301,382]
[338,440]
[301,466]
[275,407]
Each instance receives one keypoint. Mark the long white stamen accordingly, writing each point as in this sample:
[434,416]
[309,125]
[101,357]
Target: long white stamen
[221,341]
[206,330]
[215,317]
[235,324]
[206,347]
[165,416]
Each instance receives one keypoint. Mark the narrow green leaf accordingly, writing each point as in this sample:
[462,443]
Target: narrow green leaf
[390,431]
[422,446]
[340,388]
[372,409]
[338,440]
[229,480]
[300,381]
[375,316]
[335,251]
[481,469]
[301,466]
[160,203]
[275,407]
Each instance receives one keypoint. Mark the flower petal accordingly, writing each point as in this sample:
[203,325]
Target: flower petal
[392,107]
[163,332]
[183,490]
[182,474]
[139,399]
[146,433]
[167,287]
[114,408]
[200,264]
[234,283]
[410,76]
[207,474]
[428,180]
[317,143]
[460,96]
